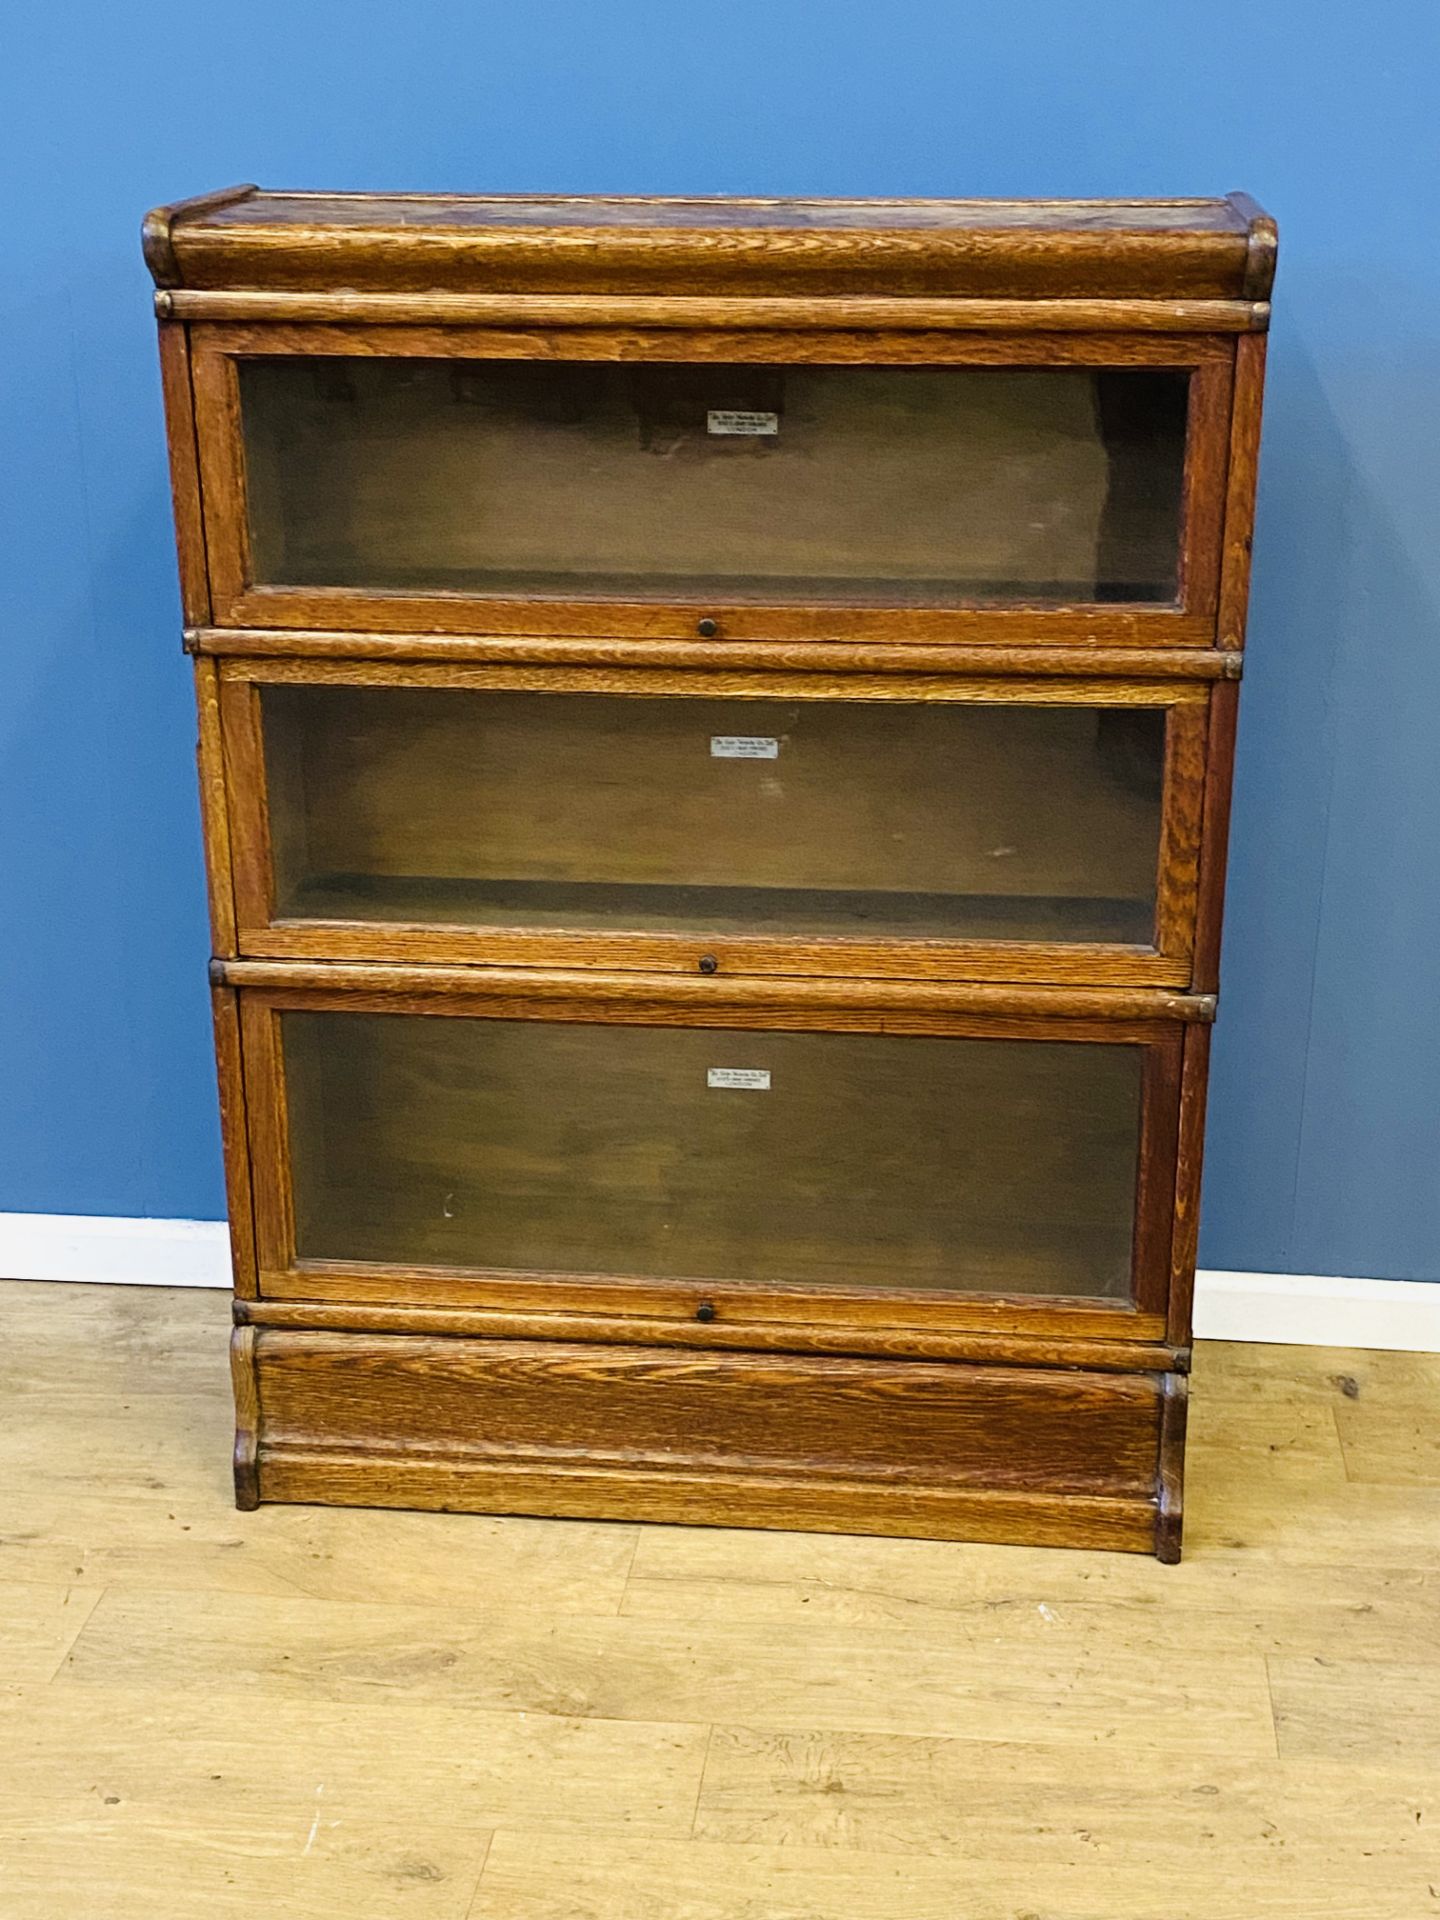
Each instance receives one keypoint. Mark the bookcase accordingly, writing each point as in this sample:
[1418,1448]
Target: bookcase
[715,733]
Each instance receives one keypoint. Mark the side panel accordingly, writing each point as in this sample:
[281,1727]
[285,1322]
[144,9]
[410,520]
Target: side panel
[184,472]
[235,1140]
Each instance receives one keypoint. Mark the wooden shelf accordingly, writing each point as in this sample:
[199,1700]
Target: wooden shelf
[401,899]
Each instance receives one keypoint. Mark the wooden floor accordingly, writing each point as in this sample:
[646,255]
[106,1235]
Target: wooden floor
[299,1714]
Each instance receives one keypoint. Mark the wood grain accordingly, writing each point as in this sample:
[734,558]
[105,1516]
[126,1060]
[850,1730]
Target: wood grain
[1147,249]
[1240,492]
[726,997]
[881,312]
[214,812]
[774,1311]
[1263,244]
[928,1799]
[767,681]
[854,1418]
[714,1499]
[233,1869]
[185,500]
[1053,964]
[1026,662]
[1185,1221]
[244,1376]
[452,614]
[64,1541]
[1215,836]
[157,230]
[727,1440]
[602,1879]
[723,1334]
[1219,1601]
[471,1766]
[235,1141]
[1170,1502]
[1203,510]
[109,1342]
[760,346]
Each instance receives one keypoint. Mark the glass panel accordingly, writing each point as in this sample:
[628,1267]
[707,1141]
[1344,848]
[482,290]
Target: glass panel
[862,485]
[855,1159]
[880,818]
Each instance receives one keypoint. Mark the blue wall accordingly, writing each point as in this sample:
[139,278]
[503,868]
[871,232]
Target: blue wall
[1325,1142]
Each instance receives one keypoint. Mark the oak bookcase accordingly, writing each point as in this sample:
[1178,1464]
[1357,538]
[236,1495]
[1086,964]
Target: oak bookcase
[716,722]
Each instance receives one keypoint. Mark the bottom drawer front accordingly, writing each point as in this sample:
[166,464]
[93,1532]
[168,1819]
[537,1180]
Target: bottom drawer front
[869,1446]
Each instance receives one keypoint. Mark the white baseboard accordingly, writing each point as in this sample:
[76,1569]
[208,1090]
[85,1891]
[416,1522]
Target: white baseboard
[1291,1309]
[1318,1310]
[113,1250]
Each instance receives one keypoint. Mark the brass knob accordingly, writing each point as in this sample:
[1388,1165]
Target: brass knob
[707,628]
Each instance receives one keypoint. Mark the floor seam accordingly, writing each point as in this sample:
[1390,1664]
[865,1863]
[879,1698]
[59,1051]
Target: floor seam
[629,1575]
[1270,1696]
[479,1877]
[1334,1413]
[700,1784]
[74,1640]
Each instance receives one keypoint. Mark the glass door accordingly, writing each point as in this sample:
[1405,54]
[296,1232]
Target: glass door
[770,485]
[782,824]
[472,1151]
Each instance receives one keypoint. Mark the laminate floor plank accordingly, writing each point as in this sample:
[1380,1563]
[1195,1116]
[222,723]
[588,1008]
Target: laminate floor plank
[1010,1802]
[132,1450]
[1210,1607]
[200,1759]
[1391,1445]
[806,1673]
[103,1872]
[109,1340]
[201,1545]
[1366,1712]
[532,1878]
[1230,1371]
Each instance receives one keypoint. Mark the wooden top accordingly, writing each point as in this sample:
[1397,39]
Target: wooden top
[246,239]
